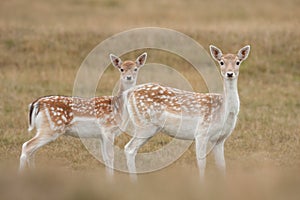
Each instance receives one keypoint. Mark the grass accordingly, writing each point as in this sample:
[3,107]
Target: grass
[44,42]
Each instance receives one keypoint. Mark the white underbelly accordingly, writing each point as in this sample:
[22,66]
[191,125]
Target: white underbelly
[181,127]
[84,128]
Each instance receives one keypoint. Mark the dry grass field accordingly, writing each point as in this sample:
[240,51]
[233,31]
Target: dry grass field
[43,43]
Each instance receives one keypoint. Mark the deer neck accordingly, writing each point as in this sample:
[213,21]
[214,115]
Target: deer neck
[119,98]
[119,104]
[231,96]
[125,86]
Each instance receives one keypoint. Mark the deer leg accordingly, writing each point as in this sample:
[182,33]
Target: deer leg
[103,147]
[141,136]
[218,151]
[201,144]
[108,151]
[131,150]
[30,147]
[23,157]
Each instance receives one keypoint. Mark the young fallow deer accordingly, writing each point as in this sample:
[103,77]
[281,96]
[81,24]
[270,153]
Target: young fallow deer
[203,117]
[53,116]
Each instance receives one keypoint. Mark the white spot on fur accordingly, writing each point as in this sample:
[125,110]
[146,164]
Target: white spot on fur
[64,118]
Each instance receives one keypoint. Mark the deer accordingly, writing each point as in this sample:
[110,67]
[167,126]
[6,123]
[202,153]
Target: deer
[54,116]
[202,117]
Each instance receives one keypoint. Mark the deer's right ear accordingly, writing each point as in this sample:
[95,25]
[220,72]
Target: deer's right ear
[141,60]
[244,52]
[115,60]
[215,52]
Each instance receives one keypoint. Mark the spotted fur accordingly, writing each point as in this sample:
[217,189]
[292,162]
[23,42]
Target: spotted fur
[53,116]
[203,117]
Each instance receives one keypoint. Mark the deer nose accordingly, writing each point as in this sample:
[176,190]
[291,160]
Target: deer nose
[229,74]
[128,78]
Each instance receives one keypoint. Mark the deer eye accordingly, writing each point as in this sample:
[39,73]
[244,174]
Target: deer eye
[135,69]
[221,63]
[237,63]
[122,70]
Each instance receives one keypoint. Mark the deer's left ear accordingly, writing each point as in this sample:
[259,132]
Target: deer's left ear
[141,60]
[215,52]
[115,60]
[243,52]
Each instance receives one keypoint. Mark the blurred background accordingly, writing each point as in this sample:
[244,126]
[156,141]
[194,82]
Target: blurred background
[43,43]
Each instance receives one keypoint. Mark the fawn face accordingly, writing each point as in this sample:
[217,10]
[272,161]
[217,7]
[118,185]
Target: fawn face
[230,63]
[128,69]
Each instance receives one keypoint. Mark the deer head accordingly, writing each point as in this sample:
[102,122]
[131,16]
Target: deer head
[229,63]
[128,69]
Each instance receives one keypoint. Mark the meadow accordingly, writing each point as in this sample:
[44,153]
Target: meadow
[43,43]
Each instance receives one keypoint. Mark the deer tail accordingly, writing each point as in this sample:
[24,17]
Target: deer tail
[33,111]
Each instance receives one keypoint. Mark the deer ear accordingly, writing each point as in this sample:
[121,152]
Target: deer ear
[215,52]
[243,52]
[141,60]
[115,60]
